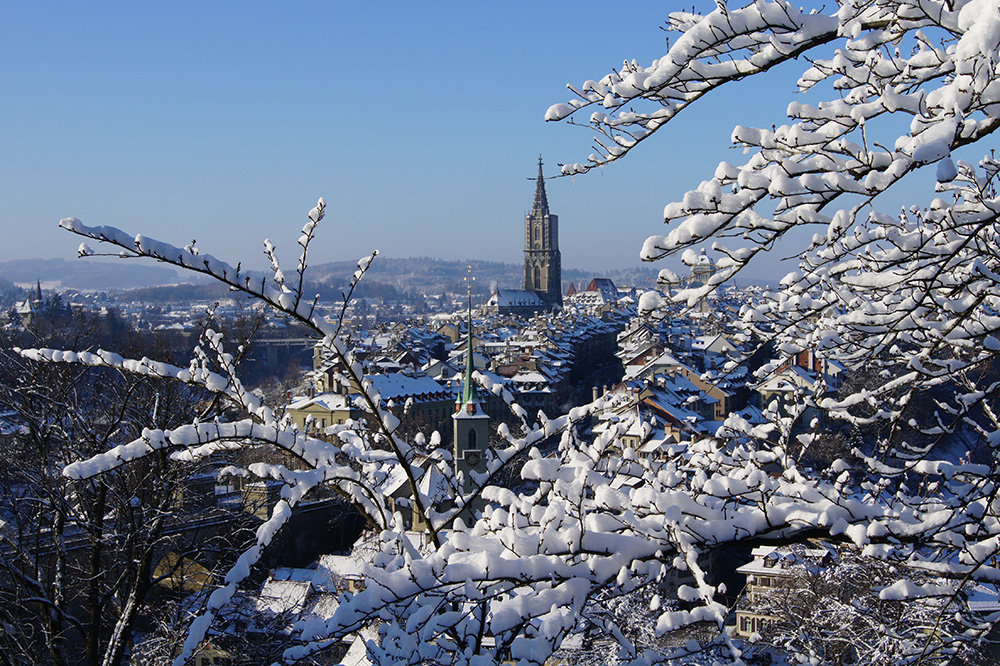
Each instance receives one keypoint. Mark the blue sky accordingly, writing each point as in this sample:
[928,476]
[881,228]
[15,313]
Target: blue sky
[418,122]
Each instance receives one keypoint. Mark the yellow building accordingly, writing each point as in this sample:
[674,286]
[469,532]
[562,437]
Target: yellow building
[323,410]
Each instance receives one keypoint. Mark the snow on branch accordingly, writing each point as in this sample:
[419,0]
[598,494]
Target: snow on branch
[904,304]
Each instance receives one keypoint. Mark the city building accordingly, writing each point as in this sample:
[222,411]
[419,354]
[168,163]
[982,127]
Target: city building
[772,571]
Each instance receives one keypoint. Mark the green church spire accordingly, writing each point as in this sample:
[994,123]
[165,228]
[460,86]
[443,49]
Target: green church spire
[469,395]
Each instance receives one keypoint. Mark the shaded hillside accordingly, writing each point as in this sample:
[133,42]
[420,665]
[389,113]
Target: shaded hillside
[9,294]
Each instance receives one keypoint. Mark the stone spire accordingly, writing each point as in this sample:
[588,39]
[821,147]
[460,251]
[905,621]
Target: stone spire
[541,201]
[542,262]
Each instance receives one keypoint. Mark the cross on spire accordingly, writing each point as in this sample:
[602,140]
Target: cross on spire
[541,201]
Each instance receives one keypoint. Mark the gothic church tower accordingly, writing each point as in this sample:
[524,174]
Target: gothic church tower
[542,261]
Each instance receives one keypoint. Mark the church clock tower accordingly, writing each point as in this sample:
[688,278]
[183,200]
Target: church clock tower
[472,426]
[542,262]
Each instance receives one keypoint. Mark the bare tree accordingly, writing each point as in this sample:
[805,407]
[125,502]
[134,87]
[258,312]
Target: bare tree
[77,557]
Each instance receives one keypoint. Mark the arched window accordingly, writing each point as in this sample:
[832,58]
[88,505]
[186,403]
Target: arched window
[472,439]
[537,278]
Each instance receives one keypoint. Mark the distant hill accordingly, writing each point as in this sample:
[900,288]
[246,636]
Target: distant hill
[86,273]
[424,275]
[398,280]
[391,278]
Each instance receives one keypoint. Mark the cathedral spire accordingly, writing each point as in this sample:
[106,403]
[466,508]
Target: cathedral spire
[541,201]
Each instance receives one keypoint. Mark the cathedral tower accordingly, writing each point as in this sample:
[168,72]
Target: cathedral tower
[542,262]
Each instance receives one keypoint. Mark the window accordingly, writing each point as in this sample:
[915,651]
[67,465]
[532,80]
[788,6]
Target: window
[472,439]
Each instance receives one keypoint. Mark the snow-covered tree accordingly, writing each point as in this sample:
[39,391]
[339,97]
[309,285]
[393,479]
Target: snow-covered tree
[590,522]
[890,89]
[80,559]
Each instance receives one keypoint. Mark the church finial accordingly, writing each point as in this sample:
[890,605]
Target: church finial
[541,201]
